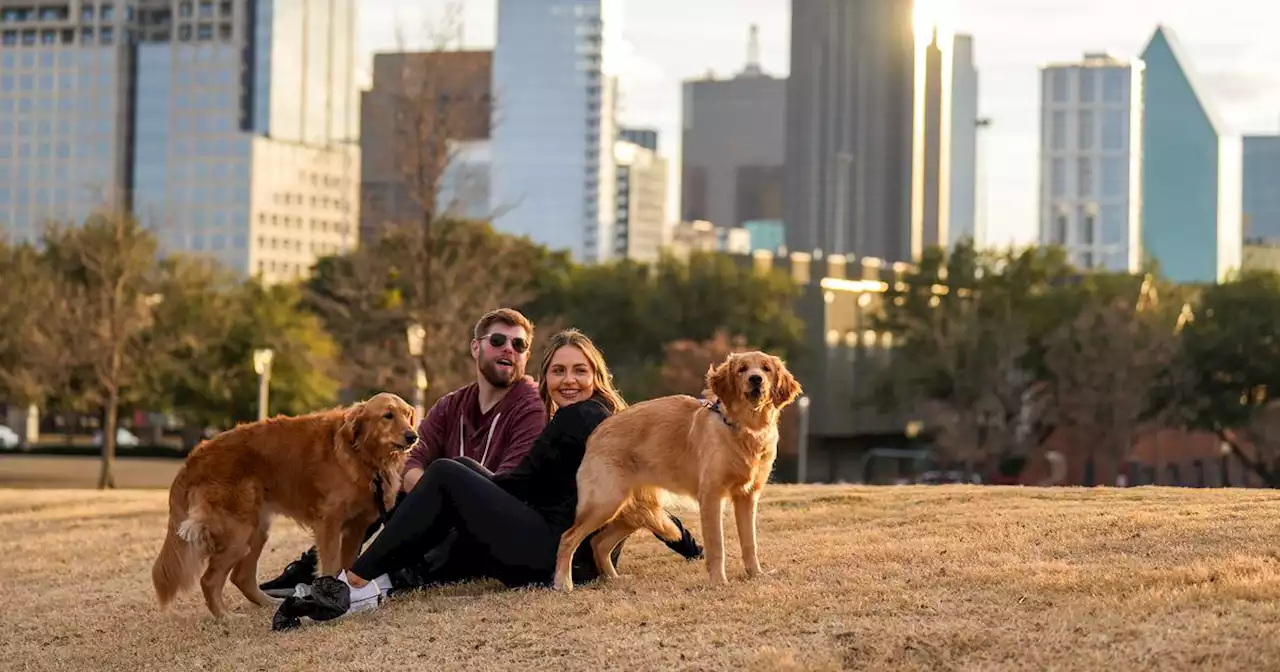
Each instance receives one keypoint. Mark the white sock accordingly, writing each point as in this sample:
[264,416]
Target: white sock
[369,591]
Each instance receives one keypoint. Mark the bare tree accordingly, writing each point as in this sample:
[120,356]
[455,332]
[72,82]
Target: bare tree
[1104,365]
[424,106]
[109,266]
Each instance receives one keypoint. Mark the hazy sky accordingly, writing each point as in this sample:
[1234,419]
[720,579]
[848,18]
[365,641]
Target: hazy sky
[1231,42]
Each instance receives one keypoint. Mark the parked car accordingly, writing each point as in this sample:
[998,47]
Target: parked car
[124,437]
[8,438]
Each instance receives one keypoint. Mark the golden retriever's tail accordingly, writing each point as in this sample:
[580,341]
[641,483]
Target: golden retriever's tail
[650,511]
[176,567]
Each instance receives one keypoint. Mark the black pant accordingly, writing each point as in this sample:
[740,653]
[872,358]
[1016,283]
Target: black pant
[498,535]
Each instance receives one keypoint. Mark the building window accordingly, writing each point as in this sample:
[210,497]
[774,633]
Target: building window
[1088,229]
[1058,131]
[1084,177]
[1113,129]
[1113,220]
[1060,229]
[1088,85]
[1060,86]
[1113,85]
[1086,131]
[1114,177]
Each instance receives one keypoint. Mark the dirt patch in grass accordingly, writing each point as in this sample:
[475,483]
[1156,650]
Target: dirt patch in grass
[920,578]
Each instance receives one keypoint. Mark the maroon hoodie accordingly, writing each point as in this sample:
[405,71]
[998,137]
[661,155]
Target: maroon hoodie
[498,439]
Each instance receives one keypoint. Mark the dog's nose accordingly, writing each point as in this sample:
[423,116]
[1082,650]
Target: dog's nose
[410,437]
[756,379]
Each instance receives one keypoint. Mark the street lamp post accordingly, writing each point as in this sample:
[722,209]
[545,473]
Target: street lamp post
[417,334]
[802,466]
[262,359]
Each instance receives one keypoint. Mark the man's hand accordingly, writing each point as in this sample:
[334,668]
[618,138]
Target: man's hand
[410,479]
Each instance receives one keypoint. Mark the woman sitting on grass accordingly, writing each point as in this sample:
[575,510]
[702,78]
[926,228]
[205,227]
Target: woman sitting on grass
[517,517]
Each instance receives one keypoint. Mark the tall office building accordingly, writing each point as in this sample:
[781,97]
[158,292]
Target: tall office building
[555,84]
[641,218]
[1191,171]
[228,127]
[1261,193]
[424,127]
[931,165]
[733,151]
[868,129]
[65,111]
[964,145]
[1091,161]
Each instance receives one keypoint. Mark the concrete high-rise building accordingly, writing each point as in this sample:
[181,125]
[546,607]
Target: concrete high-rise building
[733,151]
[1261,193]
[227,126]
[869,115]
[1091,161]
[641,218]
[964,145]
[555,87]
[424,133]
[1192,219]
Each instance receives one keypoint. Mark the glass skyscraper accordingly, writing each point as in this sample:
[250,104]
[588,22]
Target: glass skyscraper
[228,126]
[64,112]
[1262,189]
[554,82]
[1191,184]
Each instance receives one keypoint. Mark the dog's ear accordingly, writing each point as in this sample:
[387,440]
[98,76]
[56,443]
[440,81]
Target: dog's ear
[723,382]
[351,425]
[785,386]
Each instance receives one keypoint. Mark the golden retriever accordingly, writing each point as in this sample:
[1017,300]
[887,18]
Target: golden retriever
[317,469]
[678,444]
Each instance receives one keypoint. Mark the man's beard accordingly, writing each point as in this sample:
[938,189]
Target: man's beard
[498,377]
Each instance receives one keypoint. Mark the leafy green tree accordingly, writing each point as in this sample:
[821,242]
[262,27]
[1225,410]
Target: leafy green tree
[634,310]
[206,331]
[968,328]
[34,359]
[1229,364]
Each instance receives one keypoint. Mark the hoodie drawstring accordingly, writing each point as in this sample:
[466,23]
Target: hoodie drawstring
[489,438]
[462,440]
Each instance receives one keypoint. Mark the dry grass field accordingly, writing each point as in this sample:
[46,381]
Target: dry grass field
[920,578]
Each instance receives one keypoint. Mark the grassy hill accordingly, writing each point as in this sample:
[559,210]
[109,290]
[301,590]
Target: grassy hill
[928,578]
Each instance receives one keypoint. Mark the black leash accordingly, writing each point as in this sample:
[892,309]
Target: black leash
[379,500]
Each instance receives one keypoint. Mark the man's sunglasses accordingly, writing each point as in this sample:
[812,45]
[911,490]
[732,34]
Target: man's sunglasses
[518,344]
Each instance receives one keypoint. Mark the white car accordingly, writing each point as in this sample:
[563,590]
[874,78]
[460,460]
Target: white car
[8,438]
[124,437]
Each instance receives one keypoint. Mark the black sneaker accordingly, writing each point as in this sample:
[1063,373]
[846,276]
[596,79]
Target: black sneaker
[302,570]
[328,599]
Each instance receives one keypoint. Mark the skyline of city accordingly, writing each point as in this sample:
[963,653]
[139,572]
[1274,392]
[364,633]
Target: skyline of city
[1229,47]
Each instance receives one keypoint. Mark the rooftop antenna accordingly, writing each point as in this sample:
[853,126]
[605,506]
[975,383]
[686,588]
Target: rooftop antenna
[753,52]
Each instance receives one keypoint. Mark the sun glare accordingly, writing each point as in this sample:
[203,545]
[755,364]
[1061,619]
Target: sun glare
[930,13]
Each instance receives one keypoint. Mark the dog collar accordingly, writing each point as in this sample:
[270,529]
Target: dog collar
[716,408]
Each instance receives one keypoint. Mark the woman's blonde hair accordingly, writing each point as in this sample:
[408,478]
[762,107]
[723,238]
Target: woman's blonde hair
[603,378]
